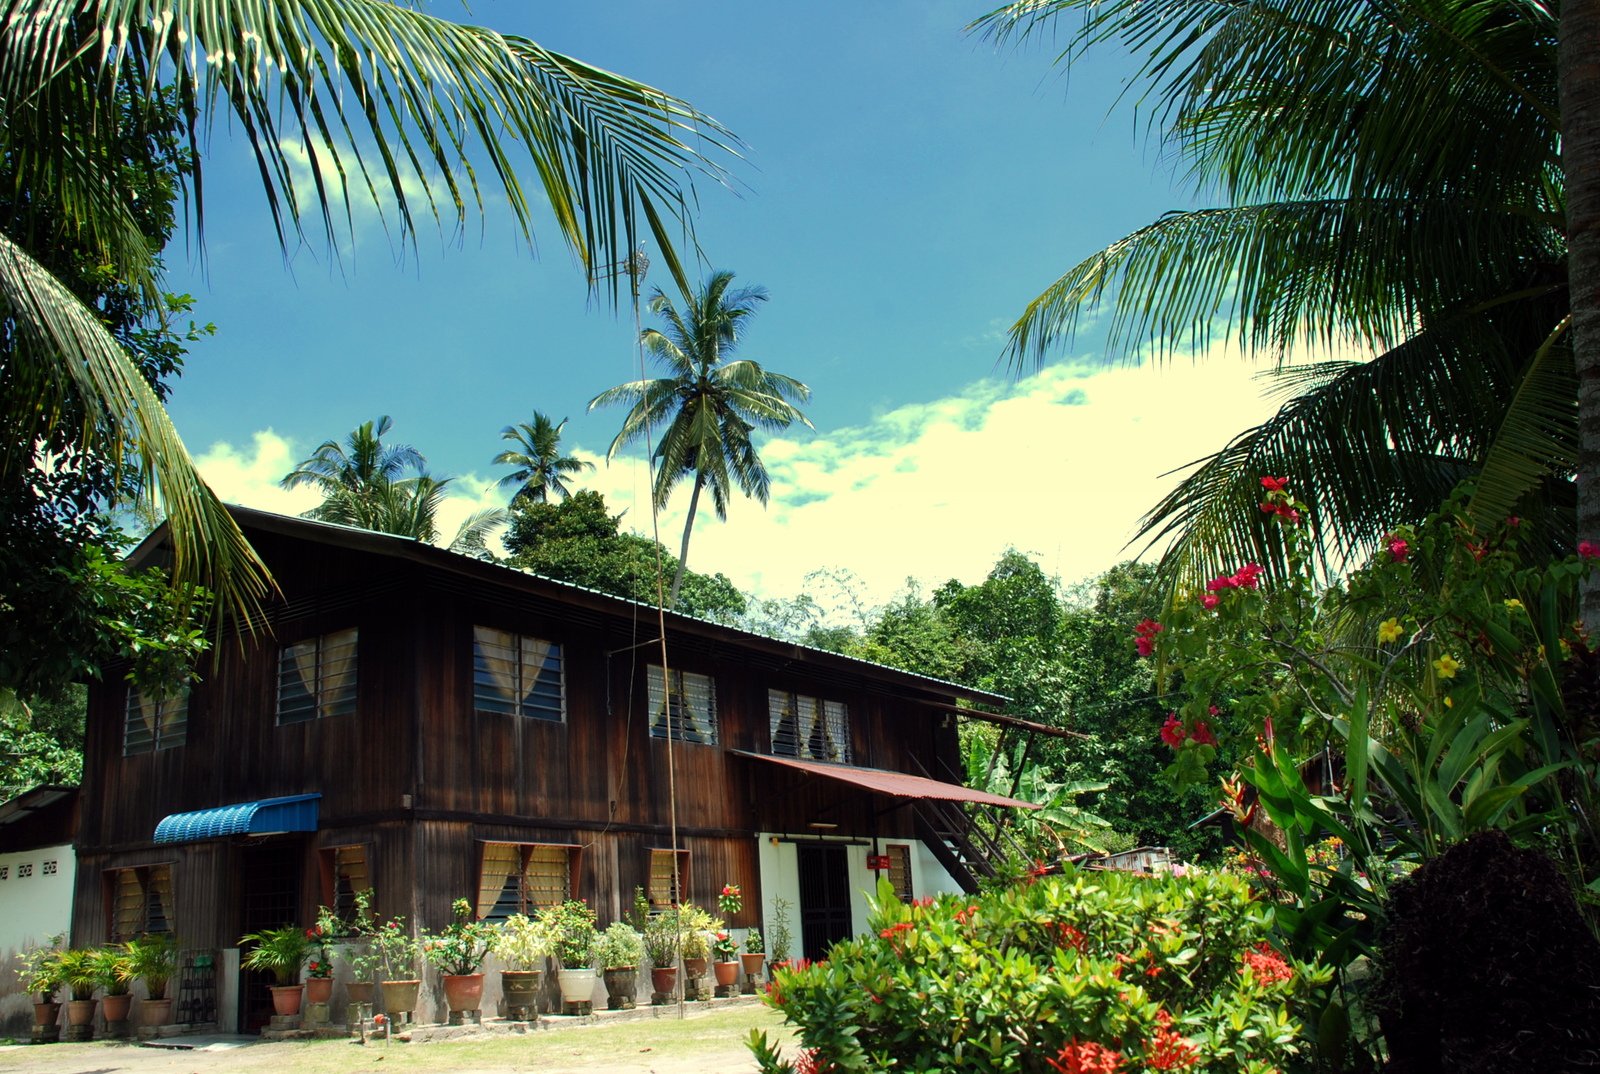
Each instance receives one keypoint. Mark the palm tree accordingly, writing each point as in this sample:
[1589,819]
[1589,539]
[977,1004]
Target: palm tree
[362,485]
[390,99]
[1389,182]
[541,469]
[708,405]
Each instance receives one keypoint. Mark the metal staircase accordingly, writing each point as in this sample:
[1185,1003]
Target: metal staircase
[969,851]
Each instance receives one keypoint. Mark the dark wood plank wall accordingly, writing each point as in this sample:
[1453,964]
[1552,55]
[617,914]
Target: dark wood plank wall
[418,776]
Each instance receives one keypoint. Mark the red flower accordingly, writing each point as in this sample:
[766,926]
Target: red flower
[1173,732]
[378,1020]
[1588,550]
[1169,1049]
[810,1061]
[1086,1057]
[1397,546]
[1202,734]
[1266,965]
[1274,484]
[1210,600]
[1248,576]
[1144,636]
[1067,936]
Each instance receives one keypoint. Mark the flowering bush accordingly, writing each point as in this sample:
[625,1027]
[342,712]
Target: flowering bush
[463,944]
[731,900]
[1082,972]
[724,948]
[395,948]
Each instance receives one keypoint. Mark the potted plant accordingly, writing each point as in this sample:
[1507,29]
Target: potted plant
[319,967]
[359,949]
[663,942]
[458,952]
[80,972]
[153,958]
[782,939]
[397,966]
[698,929]
[521,943]
[619,952]
[281,952]
[572,934]
[725,958]
[755,952]
[115,977]
[730,900]
[40,974]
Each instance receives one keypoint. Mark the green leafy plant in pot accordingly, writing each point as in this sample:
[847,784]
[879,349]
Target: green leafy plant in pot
[521,943]
[153,959]
[572,929]
[458,951]
[281,952]
[40,969]
[619,951]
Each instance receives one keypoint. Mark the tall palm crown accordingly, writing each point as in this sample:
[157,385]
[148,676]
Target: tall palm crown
[705,410]
[1389,182]
[390,99]
[541,469]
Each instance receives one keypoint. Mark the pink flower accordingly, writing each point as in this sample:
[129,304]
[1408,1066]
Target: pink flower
[1248,576]
[1144,636]
[1397,546]
[1274,484]
[1173,731]
[1210,600]
[1588,550]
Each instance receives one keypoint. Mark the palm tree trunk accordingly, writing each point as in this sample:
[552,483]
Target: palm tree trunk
[683,549]
[1579,74]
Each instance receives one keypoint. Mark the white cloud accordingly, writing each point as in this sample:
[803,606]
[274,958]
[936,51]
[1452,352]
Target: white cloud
[1060,465]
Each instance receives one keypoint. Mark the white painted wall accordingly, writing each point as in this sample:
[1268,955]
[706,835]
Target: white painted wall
[35,904]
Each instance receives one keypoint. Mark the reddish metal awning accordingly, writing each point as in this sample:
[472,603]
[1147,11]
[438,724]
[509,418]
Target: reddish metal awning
[898,784]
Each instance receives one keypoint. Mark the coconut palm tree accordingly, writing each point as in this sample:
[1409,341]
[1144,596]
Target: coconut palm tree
[1388,180]
[397,107]
[706,408]
[541,469]
[363,484]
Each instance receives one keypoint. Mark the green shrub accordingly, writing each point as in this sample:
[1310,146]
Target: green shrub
[1100,971]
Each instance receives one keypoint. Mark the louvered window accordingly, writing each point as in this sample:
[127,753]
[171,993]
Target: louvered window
[666,889]
[141,901]
[899,856]
[317,678]
[515,675]
[693,716]
[344,873]
[808,727]
[519,878]
[155,722]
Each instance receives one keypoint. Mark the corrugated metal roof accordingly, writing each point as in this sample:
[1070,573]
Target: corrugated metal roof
[295,813]
[898,784]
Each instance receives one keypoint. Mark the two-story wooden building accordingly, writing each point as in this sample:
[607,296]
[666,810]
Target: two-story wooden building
[435,727]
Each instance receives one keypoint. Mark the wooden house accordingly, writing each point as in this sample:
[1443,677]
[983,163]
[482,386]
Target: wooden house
[434,726]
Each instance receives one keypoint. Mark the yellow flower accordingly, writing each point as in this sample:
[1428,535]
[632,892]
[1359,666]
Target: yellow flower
[1514,604]
[1447,666]
[1389,631]
[1449,703]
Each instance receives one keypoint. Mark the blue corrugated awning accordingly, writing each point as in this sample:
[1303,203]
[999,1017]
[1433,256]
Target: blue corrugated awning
[296,813]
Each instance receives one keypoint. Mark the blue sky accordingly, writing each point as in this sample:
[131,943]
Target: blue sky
[907,188]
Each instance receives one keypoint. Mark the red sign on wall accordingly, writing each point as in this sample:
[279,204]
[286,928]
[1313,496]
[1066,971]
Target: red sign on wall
[877,861]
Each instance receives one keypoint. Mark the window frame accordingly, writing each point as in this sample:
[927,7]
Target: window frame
[824,711]
[684,862]
[659,711]
[526,851]
[902,851]
[328,880]
[142,875]
[519,702]
[345,695]
[161,736]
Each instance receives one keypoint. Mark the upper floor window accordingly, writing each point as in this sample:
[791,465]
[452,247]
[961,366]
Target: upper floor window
[155,721]
[140,901]
[693,715]
[515,675]
[518,878]
[317,677]
[808,727]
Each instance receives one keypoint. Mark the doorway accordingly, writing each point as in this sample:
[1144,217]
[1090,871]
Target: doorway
[824,898]
[270,875]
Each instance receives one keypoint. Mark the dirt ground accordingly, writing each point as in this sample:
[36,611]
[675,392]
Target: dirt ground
[702,1043]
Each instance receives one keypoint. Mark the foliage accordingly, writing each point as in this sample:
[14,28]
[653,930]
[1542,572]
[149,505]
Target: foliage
[540,469]
[462,945]
[730,900]
[82,971]
[578,540]
[40,968]
[1168,973]
[619,947]
[281,952]
[41,742]
[778,922]
[113,969]
[153,958]
[708,405]
[360,948]
[1339,222]
[753,943]
[396,948]
[522,942]
[724,946]
[610,157]
[698,929]
[572,933]
[663,940]
[639,915]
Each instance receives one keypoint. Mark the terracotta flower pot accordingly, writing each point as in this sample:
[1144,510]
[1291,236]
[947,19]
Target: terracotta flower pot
[80,1012]
[463,991]
[664,979]
[359,991]
[399,997]
[155,1012]
[116,1008]
[695,968]
[286,999]
[521,991]
[45,1014]
[319,989]
[752,962]
[727,973]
